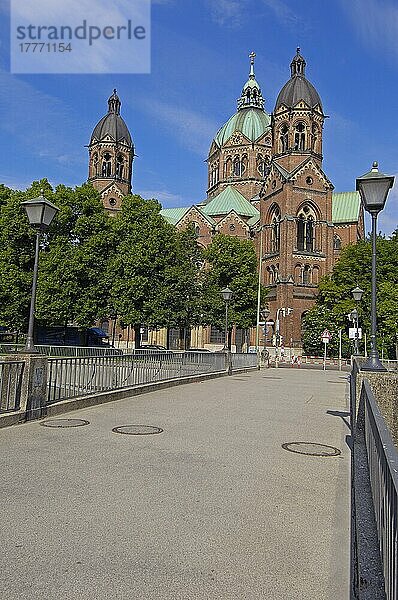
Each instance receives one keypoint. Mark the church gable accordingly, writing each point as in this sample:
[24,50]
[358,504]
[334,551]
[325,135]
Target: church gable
[194,215]
[309,174]
[237,139]
[274,181]
[233,224]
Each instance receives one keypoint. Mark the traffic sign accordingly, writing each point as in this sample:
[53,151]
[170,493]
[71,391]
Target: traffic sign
[326,335]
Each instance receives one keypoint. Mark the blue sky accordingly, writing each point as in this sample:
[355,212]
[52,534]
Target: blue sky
[199,64]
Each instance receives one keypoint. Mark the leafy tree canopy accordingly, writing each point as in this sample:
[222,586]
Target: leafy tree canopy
[232,263]
[335,300]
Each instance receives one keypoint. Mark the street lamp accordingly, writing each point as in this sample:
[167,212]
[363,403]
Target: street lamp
[373,188]
[357,295]
[227,294]
[40,213]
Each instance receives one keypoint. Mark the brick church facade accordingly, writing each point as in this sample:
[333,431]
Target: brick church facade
[265,183]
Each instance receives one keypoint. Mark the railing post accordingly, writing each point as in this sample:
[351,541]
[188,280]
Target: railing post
[34,388]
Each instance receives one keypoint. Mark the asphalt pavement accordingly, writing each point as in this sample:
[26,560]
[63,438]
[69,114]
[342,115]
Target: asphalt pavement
[212,508]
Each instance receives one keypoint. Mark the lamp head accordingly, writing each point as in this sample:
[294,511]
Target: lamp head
[357,294]
[40,212]
[227,294]
[373,188]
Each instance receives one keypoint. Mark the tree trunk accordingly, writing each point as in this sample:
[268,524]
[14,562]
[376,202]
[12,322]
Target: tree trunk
[137,336]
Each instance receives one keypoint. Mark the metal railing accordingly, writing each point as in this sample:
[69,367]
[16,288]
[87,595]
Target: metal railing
[72,377]
[246,360]
[11,373]
[383,470]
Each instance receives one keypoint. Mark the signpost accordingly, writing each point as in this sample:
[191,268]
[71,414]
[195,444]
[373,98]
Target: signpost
[326,336]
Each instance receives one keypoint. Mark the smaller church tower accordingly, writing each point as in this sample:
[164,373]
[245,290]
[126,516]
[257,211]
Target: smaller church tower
[298,118]
[111,155]
[296,205]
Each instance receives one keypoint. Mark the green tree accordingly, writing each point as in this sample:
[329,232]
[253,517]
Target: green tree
[335,300]
[230,262]
[153,273]
[72,263]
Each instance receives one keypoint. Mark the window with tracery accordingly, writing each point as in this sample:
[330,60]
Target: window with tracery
[336,242]
[95,165]
[306,229]
[275,230]
[306,274]
[239,166]
[284,138]
[228,168]
[299,137]
[315,138]
[262,164]
[120,166]
[106,165]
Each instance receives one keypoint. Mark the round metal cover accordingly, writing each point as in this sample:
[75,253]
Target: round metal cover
[311,449]
[65,423]
[137,430]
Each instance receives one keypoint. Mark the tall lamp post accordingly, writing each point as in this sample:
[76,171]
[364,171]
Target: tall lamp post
[40,213]
[357,295]
[227,294]
[373,188]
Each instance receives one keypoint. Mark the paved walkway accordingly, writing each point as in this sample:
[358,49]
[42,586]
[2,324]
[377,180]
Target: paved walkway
[212,509]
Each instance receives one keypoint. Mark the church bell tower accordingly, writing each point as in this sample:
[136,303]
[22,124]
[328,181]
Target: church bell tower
[111,155]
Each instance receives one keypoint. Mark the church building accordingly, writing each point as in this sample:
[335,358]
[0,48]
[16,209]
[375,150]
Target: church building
[265,183]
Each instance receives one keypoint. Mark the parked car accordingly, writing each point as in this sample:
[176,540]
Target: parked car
[152,352]
[198,350]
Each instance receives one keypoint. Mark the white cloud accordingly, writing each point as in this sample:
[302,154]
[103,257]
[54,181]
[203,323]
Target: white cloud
[193,130]
[228,12]
[376,21]
[164,197]
[38,121]
[284,14]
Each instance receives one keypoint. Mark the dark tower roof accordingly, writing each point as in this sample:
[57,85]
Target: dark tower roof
[298,87]
[112,124]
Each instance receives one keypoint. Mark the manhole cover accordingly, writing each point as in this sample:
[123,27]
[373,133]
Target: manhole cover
[311,449]
[137,430]
[65,423]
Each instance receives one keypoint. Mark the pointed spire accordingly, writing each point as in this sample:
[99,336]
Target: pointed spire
[114,103]
[251,93]
[298,64]
[252,57]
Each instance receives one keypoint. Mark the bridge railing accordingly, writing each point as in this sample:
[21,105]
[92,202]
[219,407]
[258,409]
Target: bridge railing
[11,374]
[374,489]
[73,377]
[383,471]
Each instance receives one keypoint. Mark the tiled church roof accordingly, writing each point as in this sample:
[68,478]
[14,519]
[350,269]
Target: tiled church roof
[345,207]
[230,199]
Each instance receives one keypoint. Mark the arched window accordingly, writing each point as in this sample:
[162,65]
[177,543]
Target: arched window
[297,273]
[95,165]
[336,242]
[275,230]
[299,137]
[196,227]
[228,168]
[262,164]
[315,275]
[305,229]
[284,138]
[306,275]
[315,138]
[106,165]
[239,166]
[120,166]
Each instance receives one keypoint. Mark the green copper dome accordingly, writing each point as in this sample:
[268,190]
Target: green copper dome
[251,118]
[252,122]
